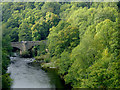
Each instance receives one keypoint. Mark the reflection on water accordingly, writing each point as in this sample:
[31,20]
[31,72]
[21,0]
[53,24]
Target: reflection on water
[27,76]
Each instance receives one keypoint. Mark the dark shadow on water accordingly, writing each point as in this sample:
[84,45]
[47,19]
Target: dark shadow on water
[54,77]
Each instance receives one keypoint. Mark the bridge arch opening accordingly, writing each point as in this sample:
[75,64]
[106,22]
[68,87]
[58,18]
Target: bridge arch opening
[34,48]
[16,50]
[37,50]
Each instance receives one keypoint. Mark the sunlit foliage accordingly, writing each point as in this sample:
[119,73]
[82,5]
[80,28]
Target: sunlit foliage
[83,38]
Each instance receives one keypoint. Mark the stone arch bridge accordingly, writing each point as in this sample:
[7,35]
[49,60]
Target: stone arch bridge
[26,45]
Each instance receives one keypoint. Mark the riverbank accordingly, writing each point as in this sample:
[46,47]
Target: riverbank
[51,67]
[30,65]
[27,73]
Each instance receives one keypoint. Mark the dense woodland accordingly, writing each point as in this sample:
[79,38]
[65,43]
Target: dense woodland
[83,39]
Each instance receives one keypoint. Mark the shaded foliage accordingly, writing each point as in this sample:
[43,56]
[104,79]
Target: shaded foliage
[83,38]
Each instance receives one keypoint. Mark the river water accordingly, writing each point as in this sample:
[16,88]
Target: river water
[25,75]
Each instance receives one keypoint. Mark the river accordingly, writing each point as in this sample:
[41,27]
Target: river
[25,75]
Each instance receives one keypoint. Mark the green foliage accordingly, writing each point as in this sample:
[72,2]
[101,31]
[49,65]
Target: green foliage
[6,81]
[64,63]
[5,61]
[103,74]
[106,13]
[14,34]
[83,38]
[38,5]
[39,30]
[25,33]
[38,58]
[18,6]
[6,51]
[98,52]
[30,5]
[107,34]
[6,11]
[45,57]
[51,19]
[66,39]
[50,7]
[25,54]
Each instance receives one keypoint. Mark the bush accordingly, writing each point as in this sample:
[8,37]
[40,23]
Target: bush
[46,57]
[25,54]
[6,81]
[39,58]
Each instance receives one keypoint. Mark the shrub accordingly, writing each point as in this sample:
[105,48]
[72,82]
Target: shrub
[25,54]
[6,81]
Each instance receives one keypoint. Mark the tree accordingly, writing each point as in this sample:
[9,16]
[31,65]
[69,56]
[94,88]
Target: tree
[51,19]
[64,63]
[25,33]
[14,34]
[38,5]
[50,7]
[6,11]
[30,5]
[95,59]
[39,30]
